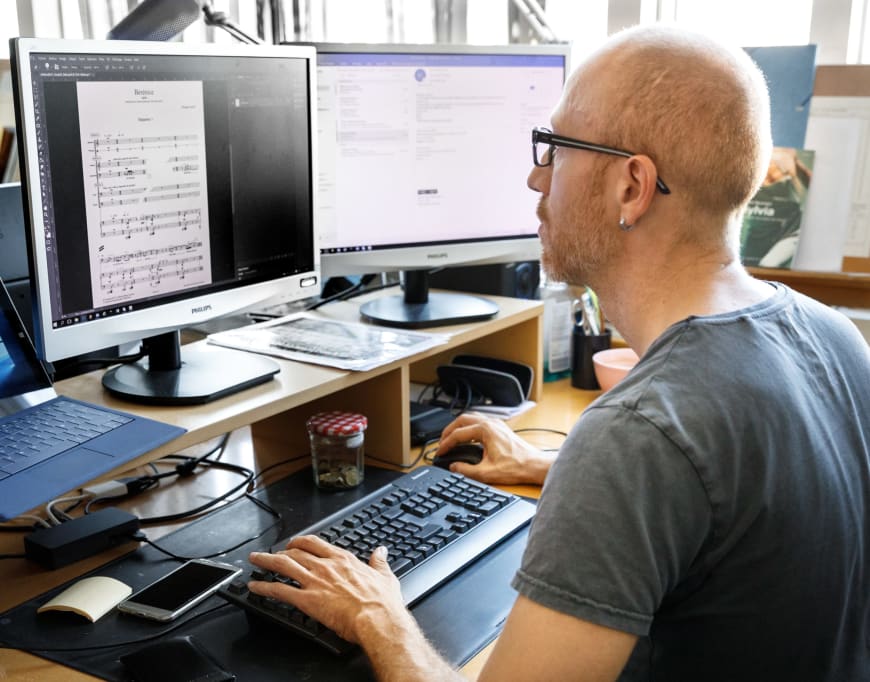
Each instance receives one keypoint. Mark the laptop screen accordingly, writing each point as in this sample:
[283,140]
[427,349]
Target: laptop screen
[20,369]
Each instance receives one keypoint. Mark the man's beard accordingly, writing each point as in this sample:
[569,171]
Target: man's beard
[581,247]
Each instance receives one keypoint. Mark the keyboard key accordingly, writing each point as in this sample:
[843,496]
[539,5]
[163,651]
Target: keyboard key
[400,566]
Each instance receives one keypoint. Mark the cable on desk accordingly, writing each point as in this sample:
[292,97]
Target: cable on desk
[269,468]
[340,296]
[405,467]
[186,467]
[85,364]
[21,528]
[236,468]
[529,429]
[427,387]
[357,289]
[49,508]
[139,535]
[532,429]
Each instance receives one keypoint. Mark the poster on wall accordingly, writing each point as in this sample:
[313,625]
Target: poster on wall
[772,221]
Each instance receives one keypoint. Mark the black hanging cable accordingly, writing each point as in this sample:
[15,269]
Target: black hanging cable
[236,468]
[269,468]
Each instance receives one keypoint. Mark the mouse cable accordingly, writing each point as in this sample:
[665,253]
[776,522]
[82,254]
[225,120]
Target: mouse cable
[429,454]
[403,467]
[532,429]
[139,535]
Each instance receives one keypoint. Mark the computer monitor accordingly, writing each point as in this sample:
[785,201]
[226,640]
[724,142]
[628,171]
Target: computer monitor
[166,184]
[424,155]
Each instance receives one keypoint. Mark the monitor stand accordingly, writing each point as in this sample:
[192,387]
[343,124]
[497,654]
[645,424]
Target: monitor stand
[170,376]
[419,308]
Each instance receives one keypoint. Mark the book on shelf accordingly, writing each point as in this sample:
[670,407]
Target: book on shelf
[772,221]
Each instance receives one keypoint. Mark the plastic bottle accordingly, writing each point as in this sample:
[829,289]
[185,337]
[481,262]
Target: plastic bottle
[558,324]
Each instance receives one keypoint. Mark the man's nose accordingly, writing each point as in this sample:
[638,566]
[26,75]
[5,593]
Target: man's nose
[539,179]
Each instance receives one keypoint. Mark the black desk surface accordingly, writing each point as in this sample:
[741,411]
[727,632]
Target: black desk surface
[460,617]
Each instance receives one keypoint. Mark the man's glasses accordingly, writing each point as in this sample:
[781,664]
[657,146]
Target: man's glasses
[545,141]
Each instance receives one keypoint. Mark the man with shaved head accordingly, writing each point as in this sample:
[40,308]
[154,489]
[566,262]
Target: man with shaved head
[707,518]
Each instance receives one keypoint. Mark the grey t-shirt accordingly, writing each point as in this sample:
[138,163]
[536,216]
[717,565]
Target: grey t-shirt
[717,500]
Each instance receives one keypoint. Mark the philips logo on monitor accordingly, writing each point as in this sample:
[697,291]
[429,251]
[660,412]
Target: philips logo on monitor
[433,256]
[200,309]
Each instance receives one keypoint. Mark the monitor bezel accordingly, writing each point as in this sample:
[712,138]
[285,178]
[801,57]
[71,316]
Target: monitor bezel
[68,341]
[428,256]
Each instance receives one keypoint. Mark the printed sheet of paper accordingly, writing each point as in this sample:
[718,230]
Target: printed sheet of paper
[145,188]
[345,345]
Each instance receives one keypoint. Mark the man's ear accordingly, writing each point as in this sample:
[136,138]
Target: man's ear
[636,187]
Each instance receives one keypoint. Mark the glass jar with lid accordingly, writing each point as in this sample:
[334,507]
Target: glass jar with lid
[337,449]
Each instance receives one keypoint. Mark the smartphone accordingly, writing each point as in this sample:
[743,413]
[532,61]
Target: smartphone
[173,594]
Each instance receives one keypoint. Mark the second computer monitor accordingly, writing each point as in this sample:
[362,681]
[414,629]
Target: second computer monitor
[424,154]
[166,184]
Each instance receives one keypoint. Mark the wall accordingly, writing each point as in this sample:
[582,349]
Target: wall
[7,117]
[864,327]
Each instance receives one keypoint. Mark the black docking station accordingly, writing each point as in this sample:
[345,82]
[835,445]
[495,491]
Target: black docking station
[80,537]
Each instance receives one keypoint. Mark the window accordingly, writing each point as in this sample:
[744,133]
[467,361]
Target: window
[751,23]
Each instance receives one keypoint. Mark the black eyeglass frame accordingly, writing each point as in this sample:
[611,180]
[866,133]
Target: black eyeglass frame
[547,136]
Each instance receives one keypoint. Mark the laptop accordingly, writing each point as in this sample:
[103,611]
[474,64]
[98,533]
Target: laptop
[49,444]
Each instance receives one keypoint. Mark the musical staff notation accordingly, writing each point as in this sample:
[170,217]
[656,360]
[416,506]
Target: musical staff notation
[150,223]
[142,254]
[153,274]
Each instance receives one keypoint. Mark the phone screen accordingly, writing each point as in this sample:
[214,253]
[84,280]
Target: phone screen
[179,587]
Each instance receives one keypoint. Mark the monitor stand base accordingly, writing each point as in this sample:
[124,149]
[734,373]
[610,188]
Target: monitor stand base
[206,374]
[441,309]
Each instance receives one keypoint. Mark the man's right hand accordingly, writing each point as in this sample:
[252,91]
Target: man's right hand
[507,458]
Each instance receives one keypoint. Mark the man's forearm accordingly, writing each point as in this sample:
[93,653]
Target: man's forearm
[399,652]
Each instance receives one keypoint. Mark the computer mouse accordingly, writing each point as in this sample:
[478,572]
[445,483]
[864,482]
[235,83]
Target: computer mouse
[470,453]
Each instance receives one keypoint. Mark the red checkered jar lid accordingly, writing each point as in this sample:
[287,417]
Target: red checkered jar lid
[336,423]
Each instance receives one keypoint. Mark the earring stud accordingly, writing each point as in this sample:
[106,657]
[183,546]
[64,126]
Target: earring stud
[623,224]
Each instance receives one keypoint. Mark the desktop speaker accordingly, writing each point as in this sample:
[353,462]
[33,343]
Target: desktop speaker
[517,280]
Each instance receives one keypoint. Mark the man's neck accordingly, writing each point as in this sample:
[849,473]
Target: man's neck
[648,298]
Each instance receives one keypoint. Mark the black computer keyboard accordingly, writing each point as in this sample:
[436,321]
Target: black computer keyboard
[433,523]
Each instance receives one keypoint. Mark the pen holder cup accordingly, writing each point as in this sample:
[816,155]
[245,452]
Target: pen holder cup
[583,347]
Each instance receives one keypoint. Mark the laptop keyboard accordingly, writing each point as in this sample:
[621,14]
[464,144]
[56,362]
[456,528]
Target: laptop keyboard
[43,431]
[433,523]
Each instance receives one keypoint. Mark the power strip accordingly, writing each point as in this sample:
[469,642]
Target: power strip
[80,538]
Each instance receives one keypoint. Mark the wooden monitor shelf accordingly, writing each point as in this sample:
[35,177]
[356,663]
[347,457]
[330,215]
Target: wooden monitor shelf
[851,290]
[277,410]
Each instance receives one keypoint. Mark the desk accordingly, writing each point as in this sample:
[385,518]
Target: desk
[257,444]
